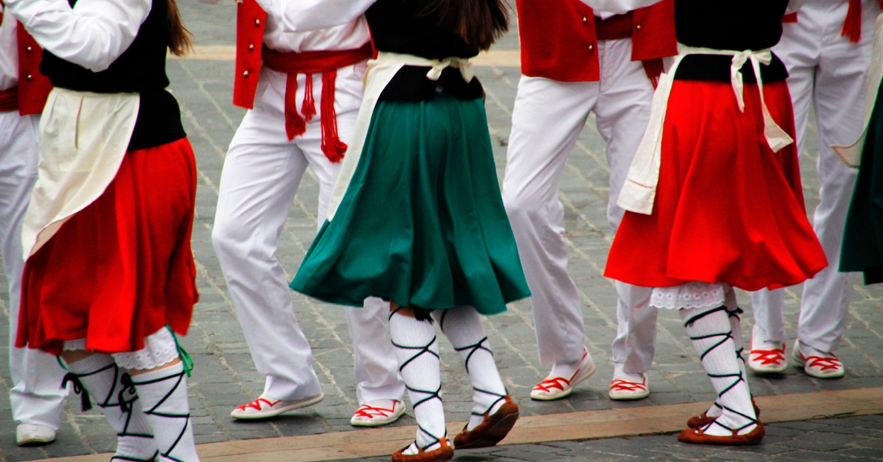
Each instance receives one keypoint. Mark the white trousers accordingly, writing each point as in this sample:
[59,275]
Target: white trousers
[546,122]
[261,175]
[827,72]
[36,395]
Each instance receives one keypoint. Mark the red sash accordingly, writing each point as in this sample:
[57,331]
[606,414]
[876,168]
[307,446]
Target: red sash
[9,100]
[325,62]
[620,27]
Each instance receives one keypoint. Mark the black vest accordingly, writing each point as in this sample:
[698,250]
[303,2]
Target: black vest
[729,25]
[405,27]
[140,69]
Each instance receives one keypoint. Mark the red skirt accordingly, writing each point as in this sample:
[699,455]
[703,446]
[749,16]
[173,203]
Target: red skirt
[122,268]
[728,209]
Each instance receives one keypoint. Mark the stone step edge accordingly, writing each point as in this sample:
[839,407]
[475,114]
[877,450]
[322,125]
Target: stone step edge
[634,420]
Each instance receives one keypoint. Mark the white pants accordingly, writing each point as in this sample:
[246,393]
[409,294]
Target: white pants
[36,395]
[261,175]
[547,119]
[828,72]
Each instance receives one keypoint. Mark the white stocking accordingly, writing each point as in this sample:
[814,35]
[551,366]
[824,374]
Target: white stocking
[462,326]
[164,397]
[712,337]
[110,387]
[416,348]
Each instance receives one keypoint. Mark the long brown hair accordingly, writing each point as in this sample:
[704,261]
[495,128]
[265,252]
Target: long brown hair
[478,22]
[179,36]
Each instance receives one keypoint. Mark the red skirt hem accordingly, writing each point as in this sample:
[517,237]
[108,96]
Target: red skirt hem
[122,268]
[728,209]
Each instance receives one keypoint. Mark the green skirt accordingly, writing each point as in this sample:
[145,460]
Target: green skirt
[422,221]
[863,237]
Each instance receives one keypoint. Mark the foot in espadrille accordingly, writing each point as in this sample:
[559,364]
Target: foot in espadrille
[704,419]
[558,384]
[266,407]
[414,453]
[378,413]
[766,356]
[698,436]
[817,363]
[627,388]
[490,431]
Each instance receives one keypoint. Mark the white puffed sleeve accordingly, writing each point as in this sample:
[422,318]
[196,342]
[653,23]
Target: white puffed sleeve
[93,34]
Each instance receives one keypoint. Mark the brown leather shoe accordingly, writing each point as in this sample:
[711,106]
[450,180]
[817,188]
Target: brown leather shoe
[490,431]
[698,436]
[702,420]
[444,452]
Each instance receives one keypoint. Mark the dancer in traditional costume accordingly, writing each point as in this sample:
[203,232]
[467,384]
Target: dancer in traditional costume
[303,92]
[37,401]
[713,197]
[598,62]
[416,216]
[109,273]
[863,237]
[826,47]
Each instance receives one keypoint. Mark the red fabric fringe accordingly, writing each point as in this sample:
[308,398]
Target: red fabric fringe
[309,106]
[852,26]
[295,125]
[332,147]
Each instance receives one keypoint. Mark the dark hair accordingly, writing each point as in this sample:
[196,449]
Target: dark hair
[478,22]
[179,36]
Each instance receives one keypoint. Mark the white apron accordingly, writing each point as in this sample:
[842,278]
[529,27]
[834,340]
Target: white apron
[83,139]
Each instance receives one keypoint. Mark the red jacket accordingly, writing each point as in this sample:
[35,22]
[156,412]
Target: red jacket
[250,23]
[570,54]
[33,87]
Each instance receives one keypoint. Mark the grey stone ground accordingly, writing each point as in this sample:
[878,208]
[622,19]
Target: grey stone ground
[225,375]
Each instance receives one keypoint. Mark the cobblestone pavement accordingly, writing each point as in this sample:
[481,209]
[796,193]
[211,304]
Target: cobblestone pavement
[225,375]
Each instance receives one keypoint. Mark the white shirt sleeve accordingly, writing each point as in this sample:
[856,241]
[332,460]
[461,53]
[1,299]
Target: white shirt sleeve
[310,15]
[93,35]
[618,6]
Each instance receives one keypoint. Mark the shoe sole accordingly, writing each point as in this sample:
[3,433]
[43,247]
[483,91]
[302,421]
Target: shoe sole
[377,423]
[268,414]
[628,396]
[564,394]
[34,441]
[495,433]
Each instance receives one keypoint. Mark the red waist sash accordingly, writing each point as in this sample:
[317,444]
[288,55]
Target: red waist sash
[325,62]
[9,100]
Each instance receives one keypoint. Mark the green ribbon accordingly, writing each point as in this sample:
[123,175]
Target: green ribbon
[182,353]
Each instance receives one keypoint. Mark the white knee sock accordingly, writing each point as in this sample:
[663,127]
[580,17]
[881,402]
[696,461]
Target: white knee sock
[416,348]
[462,326]
[710,331]
[111,389]
[163,394]
[736,328]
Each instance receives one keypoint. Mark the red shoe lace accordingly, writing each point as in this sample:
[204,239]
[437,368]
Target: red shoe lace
[555,382]
[371,411]
[256,404]
[768,356]
[625,385]
[823,362]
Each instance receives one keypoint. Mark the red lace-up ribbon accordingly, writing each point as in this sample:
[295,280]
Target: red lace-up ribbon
[822,362]
[768,356]
[625,385]
[308,63]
